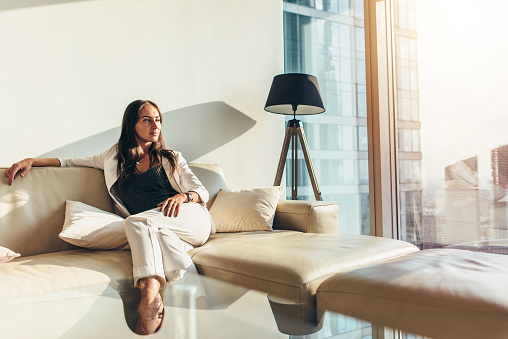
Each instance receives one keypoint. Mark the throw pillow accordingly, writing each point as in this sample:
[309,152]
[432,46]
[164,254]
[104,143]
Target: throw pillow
[243,210]
[7,255]
[89,227]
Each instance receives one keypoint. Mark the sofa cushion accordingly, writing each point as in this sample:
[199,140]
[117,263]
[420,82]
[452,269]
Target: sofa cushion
[244,210]
[290,264]
[438,293]
[307,216]
[90,227]
[64,274]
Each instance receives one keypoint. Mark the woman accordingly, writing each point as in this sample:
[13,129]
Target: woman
[162,200]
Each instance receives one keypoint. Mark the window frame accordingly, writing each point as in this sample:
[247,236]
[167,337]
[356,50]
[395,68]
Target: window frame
[381,118]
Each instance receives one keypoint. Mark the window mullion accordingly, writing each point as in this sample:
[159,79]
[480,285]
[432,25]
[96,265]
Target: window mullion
[381,119]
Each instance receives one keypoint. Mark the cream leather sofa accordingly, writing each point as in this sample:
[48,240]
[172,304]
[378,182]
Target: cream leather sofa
[302,251]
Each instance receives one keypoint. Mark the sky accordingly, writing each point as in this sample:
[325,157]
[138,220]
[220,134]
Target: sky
[463,82]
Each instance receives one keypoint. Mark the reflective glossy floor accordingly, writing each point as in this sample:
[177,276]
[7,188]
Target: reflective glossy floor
[230,312]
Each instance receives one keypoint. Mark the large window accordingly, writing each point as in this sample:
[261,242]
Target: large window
[327,39]
[450,108]
[428,161]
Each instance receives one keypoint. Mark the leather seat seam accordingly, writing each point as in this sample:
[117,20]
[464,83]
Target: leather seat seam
[398,299]
[250,276]
[273,280]
[280,212]
[327,275]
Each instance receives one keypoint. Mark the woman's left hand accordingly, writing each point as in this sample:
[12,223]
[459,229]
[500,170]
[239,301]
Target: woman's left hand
[171,206]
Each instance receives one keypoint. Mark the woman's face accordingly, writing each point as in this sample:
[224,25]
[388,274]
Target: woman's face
[148,127]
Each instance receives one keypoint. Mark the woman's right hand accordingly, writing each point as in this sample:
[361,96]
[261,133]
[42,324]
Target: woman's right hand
[22,167]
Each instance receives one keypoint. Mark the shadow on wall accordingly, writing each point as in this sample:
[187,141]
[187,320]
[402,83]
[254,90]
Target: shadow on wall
[16,4]
[194,131]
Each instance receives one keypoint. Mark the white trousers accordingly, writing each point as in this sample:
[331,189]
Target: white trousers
[159,244]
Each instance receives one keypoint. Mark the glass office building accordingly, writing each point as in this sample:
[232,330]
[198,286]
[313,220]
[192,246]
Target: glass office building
[326,39]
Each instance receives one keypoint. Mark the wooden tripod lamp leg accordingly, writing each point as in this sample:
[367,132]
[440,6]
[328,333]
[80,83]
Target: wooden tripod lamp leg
[295,132]
[283,155]
[308,162]
[294,162]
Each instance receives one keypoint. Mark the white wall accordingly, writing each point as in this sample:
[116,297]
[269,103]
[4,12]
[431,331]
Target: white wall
[69,68]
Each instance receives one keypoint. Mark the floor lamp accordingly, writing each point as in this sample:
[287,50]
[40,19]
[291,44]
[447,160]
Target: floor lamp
[296,94]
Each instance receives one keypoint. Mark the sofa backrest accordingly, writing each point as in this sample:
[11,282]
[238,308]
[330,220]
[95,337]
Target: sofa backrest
[212,177]
[32,210]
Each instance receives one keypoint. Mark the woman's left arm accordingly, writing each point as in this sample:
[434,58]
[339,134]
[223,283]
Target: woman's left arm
[192,190]
[189,182]
[171,206]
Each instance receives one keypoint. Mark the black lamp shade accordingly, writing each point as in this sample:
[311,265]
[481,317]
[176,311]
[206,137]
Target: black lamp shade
[294,93]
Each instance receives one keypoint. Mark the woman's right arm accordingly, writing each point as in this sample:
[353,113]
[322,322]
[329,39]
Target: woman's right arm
[23,166]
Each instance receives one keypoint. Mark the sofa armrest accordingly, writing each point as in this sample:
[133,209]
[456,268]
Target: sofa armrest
[307,216]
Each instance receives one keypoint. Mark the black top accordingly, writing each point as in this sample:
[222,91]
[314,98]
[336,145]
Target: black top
[144,191]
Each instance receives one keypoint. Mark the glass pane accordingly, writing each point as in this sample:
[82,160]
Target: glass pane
[342,7]
[332,48]
[358,9]
[405,144]
[451,112]
[415,140]
[362,138]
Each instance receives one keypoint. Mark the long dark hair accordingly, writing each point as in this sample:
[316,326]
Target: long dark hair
[128,153]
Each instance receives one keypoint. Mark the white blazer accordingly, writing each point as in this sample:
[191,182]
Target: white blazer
[183,180]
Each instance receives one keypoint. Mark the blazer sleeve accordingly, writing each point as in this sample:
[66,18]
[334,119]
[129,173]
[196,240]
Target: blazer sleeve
[188,181]
[95,161]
